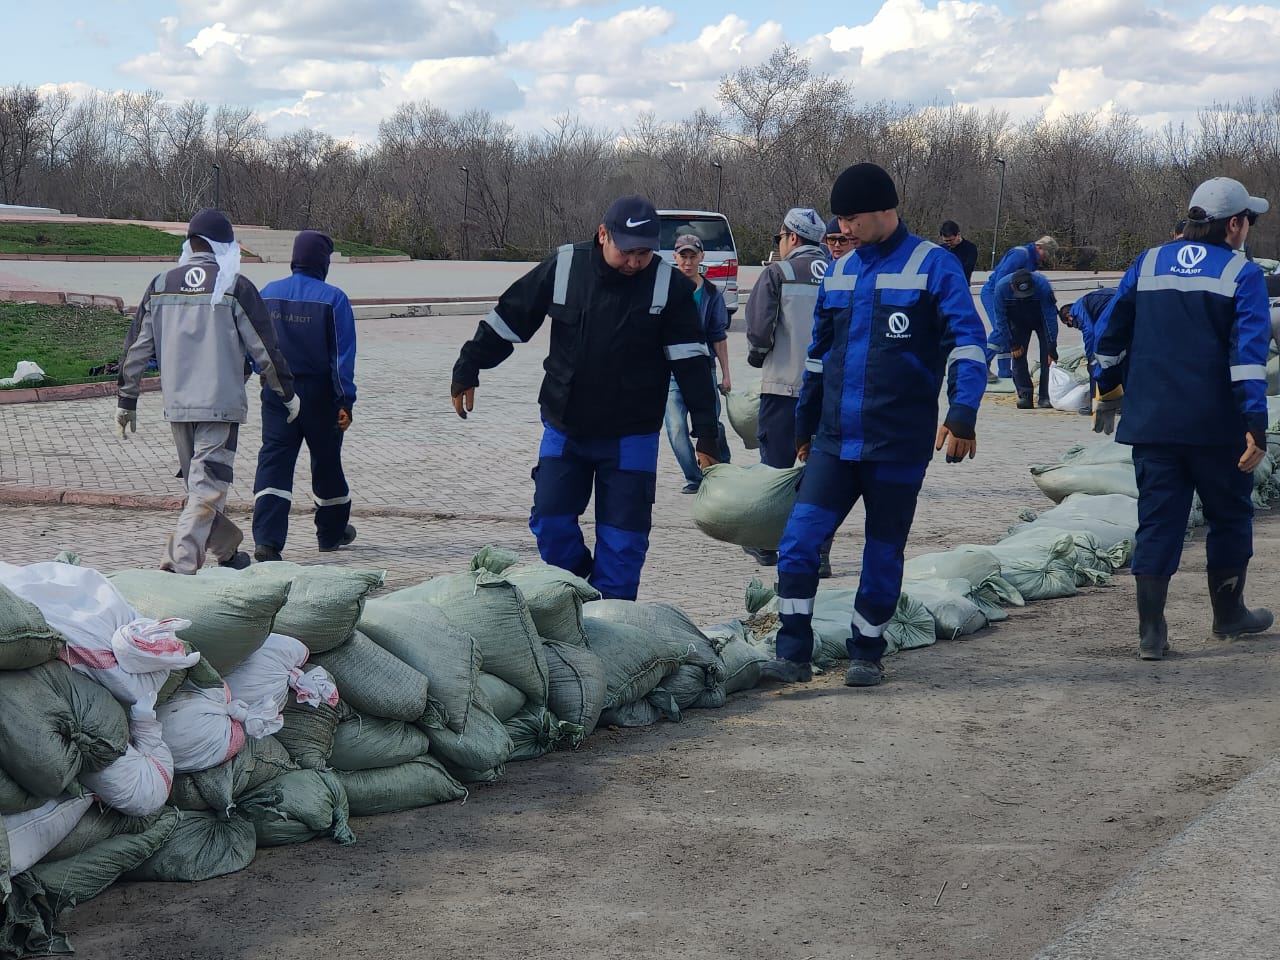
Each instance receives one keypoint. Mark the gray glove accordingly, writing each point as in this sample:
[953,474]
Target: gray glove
[1105,409]
[126,418]
[294,406]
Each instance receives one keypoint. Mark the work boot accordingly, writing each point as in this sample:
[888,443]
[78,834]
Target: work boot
[1230,615]
[991,377]
[1024,403]
[1044,403]
[348,535]
[266,554]
[766,558]
[824,564]
[237,561]
[1153,632]
[863,673]
[785,671]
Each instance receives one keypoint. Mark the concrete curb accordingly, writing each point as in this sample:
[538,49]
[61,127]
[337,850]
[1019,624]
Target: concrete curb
[71,391]
[58,298]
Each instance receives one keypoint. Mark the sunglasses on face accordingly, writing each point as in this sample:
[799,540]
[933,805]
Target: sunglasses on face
[838,239]
[777,238]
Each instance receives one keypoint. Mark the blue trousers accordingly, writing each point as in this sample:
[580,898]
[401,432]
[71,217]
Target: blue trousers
[623,471]
[1167,476]
[676,422]
[776,430]
[828,490]
[317,426]
[1004,365]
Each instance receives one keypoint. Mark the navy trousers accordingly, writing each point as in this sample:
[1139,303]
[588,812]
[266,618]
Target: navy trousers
[828,490]
[1167,476]
[317,426]
[623,472]
[776,430]
[1020,336]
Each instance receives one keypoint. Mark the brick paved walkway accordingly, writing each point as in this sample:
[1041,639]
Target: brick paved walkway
[429,489]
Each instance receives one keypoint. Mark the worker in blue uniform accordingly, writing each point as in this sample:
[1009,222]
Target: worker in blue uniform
[1026,256]
[316,328]
[623,322]
[894,322]
[1025,305]
[1184,344]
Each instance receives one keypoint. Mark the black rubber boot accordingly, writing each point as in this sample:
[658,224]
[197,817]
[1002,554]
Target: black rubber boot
[824,563]
[1230,615]
[1153,632]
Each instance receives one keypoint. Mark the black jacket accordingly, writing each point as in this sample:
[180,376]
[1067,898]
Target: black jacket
[610,362]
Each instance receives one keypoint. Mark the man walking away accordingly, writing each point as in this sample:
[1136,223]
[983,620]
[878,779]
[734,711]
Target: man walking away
[200,320]
[316,330]
[1184,342]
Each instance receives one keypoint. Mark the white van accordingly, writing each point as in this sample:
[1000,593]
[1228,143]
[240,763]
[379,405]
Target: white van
[720,262]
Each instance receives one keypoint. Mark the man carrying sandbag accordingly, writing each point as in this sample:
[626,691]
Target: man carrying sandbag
[894,321]
[200,320]
[1184,342]
[622,323]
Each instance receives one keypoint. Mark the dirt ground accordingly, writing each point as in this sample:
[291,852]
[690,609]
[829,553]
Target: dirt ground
[968,808]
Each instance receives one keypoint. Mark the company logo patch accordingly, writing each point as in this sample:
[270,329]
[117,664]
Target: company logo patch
[635,223]
[1190,255]
[818,269]
[195,277]
[899,326]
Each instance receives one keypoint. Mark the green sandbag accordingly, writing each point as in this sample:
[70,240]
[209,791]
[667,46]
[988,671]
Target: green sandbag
[75,879]
[1106,450]
[555,598]
[217,788]
[492,609]
[666,622]
[690,689]
[420,635]
[578,685]
[366,743]
[635,661]
[980,567]
[1088,555]
[1038,572]
[1110,518]
[296,807]
[741,664]
[97,825]
[911,626]
[1059,480]
[748,506]
[375,682]
[201,847]
[639,713]
[230,615]
[55,723]
[954,614]
[534,731]
[26,640]
[324,603]
[503,700]
[418,783]
[484,745]
[743,411]
[307,734]
[13,798]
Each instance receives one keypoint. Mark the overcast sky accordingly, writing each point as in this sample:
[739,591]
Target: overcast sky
[342,65]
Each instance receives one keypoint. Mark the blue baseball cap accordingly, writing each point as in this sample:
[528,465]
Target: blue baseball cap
[633,223]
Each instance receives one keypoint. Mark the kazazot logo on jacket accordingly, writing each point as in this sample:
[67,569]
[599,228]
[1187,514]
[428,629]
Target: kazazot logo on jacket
[1189,257]
[899,326]
[194,278]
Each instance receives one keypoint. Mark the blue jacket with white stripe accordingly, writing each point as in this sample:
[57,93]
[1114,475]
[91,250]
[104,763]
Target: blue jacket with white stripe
[317,331]
[1193,321]
[892,321]
[1022,257]
[616,340]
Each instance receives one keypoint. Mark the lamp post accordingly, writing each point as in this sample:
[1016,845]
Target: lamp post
[719,182]
[995,234]
[217,187]
[466,197]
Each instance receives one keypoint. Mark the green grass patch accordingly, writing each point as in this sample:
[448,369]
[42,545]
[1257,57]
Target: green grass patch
[350,248]
[65,341]
[88,239]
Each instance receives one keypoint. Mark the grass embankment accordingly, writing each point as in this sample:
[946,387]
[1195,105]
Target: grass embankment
[350,248]
[65,341]
[88,239]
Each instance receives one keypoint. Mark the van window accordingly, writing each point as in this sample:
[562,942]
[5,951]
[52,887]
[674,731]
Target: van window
[712,231]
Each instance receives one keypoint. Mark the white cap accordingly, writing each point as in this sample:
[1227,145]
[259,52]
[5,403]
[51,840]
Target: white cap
[1222,198]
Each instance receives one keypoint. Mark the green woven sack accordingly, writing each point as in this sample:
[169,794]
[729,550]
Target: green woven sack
[377,683]
[296,807]
[366,743]
[26,640]
[307,734]
[418,783]
[201,847]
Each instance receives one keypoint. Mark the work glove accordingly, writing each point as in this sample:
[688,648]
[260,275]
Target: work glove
[464,399]
[707,450]
[294,406]
[1017,352]
[756,357]
[1106,406]
[961,440]
[344,420]
[126,418]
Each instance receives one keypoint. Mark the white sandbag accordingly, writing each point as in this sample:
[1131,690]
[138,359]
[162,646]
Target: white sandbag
[137,784]
[36,832]
[743,410]
[1059,480]
[1065,391]
[748,506]
[106,640]
[275,668]
[205,728]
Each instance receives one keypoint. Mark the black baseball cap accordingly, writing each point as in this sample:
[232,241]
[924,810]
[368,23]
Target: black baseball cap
[633,223]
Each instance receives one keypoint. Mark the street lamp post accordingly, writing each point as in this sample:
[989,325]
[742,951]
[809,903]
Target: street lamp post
[719,182]
[466,197]
[995,234]
[217,187]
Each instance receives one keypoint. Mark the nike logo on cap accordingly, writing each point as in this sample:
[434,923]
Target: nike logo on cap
[635,223]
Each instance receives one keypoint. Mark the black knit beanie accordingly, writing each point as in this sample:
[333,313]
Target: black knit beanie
[311,252]
[212,225]
[863,188]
